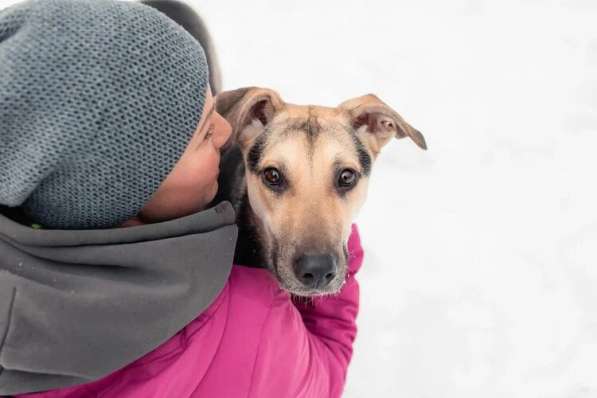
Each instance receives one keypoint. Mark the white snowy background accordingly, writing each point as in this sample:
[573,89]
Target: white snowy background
[480,278]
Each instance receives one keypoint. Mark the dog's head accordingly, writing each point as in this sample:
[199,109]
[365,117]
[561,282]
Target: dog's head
[307,171]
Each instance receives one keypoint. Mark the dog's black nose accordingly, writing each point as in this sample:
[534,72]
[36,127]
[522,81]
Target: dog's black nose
[315,271]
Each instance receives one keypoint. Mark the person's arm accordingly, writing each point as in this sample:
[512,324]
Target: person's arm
[306,347]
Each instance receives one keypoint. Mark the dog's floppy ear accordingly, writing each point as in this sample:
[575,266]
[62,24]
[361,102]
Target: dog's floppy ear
[246,106]
[382,122]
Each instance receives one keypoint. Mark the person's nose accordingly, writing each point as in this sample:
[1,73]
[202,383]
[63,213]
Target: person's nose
[223,131]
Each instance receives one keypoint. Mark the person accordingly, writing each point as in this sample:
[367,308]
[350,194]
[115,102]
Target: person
[115,279]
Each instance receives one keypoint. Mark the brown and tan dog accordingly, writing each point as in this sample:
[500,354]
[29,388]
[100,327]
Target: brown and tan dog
[297,175]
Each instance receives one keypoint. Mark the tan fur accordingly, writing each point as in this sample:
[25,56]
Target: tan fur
[308,143]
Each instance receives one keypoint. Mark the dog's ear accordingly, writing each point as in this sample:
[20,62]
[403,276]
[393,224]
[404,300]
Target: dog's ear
[381,122]
[248,110]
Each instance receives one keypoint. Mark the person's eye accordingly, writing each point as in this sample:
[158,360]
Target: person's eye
[210,132]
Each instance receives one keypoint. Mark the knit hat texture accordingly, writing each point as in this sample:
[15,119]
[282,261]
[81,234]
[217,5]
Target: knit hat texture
[98,101]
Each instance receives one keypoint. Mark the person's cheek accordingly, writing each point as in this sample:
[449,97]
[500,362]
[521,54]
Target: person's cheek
[207,168]
[213,161]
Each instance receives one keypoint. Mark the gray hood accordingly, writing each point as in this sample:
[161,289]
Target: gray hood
[77,305]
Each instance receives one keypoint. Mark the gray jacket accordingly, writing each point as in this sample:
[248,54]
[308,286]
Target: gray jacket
[77,305]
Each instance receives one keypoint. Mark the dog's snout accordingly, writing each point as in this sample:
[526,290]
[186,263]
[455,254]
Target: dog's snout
[315,271]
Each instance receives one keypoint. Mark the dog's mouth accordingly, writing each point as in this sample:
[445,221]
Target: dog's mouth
[308,292]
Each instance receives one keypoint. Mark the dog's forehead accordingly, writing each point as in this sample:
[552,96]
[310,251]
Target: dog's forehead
[296,115]
[312,120]
[306,135]
[297,111]
[301,147]
[315,146]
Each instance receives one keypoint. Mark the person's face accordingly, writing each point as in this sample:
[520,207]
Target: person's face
[193,182]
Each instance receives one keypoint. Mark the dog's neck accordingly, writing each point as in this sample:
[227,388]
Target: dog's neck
[233,188]
[249,250]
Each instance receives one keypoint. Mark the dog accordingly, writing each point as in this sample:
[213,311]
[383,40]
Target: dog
[297,176]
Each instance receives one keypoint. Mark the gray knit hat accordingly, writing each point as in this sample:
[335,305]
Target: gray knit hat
[98,100]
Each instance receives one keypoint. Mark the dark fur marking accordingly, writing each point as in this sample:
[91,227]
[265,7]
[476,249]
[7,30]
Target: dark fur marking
[310,125]
[364,157]
[254,155]
[365,161]
[313,127]
[249,250]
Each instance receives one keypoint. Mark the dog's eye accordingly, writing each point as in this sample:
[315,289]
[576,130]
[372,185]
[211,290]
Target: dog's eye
[273,178]
[347,178]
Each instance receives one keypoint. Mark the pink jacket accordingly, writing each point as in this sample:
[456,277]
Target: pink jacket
[253,341]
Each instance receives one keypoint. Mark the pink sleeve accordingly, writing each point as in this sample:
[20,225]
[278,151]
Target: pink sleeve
[306,347]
